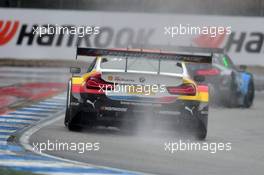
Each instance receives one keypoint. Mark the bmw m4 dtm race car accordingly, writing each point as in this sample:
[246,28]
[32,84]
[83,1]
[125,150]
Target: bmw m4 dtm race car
[120,85]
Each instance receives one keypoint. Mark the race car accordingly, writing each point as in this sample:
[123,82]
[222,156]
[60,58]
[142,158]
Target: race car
[229,85]
[121,85]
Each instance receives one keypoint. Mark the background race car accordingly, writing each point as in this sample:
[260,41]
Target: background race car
[120,87]
[229,86]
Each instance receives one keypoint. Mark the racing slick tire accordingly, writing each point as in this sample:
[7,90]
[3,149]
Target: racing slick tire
[231,100]
[71,122]
[201,130]
[249,97]
[196,124]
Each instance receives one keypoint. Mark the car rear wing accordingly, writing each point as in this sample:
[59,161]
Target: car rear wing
[199,49]
[152,54]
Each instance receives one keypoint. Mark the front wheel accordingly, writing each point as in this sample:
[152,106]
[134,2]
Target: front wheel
[231,99]
[249,97]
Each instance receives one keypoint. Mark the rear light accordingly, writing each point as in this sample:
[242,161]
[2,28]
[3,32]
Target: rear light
[184,89]
[207,72]
[96,82]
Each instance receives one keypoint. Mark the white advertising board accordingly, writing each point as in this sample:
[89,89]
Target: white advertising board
[18,40]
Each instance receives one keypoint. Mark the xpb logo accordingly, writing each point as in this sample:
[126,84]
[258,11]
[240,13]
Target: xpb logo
[7,31]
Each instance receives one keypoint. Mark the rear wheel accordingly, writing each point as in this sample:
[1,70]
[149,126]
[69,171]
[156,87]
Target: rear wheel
[68,102]
[201,130]
[74,124]
[71,122]
[196,124]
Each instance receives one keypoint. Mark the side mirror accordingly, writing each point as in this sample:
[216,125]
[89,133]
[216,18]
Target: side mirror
[178,64]
[104,60]
[75,70]
[243,67]
[199,78]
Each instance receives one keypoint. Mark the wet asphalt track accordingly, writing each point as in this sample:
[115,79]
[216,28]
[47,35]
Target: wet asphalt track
[243,128]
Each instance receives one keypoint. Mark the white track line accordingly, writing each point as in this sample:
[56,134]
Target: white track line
[16,120]
[34,163]
[22,116]
[37,109]
[28,112]
[51,103]
[6,130]
[6,153]
[24,140]
[45,106]
[4,136]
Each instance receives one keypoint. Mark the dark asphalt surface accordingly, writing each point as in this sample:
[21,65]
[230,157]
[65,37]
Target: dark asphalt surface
[145,152]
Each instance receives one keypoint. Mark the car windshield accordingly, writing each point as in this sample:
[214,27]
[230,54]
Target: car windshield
[86,63]
[141,64]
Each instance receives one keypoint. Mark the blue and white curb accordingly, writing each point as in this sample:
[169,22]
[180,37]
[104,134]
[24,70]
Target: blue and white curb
[22,158]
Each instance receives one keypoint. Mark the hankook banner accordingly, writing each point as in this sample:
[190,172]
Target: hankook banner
[20,37]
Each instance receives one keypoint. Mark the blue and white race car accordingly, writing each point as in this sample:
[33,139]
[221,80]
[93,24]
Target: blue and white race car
[229,86]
